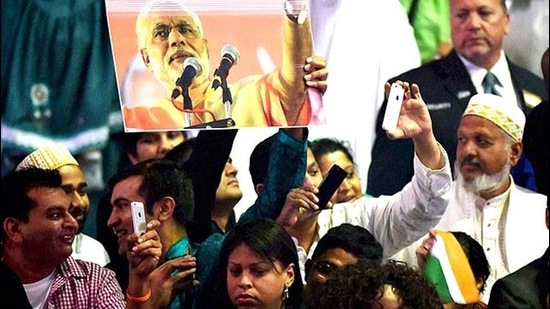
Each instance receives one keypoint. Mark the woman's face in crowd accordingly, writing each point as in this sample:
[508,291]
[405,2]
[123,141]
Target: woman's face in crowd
[254,282]
[350,189]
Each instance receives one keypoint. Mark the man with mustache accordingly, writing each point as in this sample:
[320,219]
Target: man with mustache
[169,33]
[486,203]
[57,157]
[37,233]
[478,30]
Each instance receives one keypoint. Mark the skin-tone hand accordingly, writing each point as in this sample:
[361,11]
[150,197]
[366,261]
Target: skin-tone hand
[415,122]
[143,258]
[300,203]
[146,250]
[165,286]
[414,119]
[299,214]
[423,251]
[316,73]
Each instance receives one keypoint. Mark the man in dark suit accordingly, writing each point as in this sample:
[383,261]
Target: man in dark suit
[528,286]
[478,30]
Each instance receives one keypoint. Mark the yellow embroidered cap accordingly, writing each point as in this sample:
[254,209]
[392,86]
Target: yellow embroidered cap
[507,116]
[50,157]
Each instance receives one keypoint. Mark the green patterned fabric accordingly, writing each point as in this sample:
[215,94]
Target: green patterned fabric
[58,77]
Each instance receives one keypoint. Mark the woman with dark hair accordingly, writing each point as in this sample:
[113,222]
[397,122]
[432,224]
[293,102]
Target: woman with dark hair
[259,266]
[330,151]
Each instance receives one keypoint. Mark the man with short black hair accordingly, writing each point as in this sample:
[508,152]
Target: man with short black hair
[37,236]
[57,157]
[341,246]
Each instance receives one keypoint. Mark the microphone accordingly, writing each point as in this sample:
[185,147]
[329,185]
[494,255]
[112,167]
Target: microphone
[230,57]
[191,68]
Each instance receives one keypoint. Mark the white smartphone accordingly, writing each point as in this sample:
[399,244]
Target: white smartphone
[393,108]
[138,217]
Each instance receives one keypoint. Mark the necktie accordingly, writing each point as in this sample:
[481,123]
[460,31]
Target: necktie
[489,83]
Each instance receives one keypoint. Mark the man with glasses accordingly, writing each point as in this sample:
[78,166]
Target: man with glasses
[342,245]
[170,33]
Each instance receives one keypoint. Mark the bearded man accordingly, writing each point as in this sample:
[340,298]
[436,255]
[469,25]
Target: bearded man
[486,203]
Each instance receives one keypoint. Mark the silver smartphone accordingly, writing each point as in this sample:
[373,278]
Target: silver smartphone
[138,217]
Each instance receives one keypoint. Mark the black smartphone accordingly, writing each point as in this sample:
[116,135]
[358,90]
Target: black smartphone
[330,184]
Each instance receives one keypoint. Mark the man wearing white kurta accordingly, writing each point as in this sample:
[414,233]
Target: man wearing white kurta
[506,219]
[396,221]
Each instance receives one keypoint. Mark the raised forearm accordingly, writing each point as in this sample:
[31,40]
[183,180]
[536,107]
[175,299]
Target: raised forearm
[297,47]
[287,167]
[138,293]
[428,151]
[205,167]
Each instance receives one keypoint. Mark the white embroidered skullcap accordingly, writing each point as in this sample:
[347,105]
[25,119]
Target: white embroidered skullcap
[49,157]
[507,116]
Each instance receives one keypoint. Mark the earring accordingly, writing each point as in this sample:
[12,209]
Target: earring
[285,293]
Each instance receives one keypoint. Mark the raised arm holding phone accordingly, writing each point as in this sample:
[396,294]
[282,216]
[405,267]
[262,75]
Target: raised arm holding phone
[388,218]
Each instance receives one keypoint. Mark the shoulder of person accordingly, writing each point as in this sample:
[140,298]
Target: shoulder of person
[84,269]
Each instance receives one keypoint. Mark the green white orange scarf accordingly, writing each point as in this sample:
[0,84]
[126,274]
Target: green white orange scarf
[447,267]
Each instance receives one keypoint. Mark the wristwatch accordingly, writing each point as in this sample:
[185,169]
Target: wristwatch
[296,10]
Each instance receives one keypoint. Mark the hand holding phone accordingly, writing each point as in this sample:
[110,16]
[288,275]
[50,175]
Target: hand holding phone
[138,217]
[330,184]
[393,108]
[185,283]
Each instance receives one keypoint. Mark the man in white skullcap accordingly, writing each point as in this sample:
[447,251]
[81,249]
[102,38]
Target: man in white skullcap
[506,219]
[57,157]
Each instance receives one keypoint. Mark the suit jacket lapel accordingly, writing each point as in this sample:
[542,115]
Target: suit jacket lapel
[456,79]
[517,81]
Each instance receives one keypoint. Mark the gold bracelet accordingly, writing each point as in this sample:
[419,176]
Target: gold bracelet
[140,299]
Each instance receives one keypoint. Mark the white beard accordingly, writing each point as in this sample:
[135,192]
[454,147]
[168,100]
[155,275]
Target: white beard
[483,183]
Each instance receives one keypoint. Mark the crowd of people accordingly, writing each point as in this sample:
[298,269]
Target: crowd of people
[442,221]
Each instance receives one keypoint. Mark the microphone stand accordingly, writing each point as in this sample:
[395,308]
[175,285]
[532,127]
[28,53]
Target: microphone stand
[226,98]
[227,101]
[187,105]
